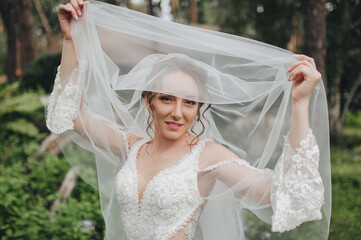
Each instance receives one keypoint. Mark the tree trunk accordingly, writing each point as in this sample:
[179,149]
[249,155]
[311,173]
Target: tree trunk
[150,8]
[335,99]
[335,104]
[295,43]
[315,33]
[193,12]
[8,19]
[25,34]
[350,96]
[174,4]
[45,22]
[130,4]
[65,190]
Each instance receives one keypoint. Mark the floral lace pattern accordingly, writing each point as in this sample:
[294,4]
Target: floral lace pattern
[170,200]
[297,192]
[64,103]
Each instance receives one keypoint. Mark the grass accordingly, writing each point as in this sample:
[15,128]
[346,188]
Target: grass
[346,185]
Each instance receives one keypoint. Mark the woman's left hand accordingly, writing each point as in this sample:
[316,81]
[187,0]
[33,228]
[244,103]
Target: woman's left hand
[305,76]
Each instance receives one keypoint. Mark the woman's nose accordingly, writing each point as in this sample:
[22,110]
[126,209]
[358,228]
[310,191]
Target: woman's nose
[177,110]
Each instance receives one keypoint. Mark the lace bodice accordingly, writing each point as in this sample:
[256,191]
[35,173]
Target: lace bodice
[170,202]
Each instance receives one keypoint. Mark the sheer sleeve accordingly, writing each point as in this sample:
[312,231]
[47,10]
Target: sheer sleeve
[66,111]
[297,192]
[64,102]
[294,189]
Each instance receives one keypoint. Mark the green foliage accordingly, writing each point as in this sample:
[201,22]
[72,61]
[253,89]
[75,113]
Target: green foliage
[346,192]
[41,72]
[21,113]
[353,118]
[29,183]
[346,182]
[28,190]
[343,46]
[2,52]
[8,89]
[350,141]
[254,19]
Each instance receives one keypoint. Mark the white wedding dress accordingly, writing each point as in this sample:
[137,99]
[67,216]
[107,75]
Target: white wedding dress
[171,202]
[122,53]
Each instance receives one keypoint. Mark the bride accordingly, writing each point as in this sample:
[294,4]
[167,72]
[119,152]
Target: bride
[164,169]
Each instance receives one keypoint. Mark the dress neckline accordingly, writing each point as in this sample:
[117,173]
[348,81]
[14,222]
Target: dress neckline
[136,147]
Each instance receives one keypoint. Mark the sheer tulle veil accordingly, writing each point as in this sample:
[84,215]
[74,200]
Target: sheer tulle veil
[122,53]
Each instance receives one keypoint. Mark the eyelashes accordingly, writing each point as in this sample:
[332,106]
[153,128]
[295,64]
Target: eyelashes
[165,99]
[169,99]
[190,102]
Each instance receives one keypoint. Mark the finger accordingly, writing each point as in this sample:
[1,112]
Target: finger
[80,3]
[301,69]
[72,11]
[303,62]
[75,5]
[307,58]
[64,8]
[298,78]
[296,71]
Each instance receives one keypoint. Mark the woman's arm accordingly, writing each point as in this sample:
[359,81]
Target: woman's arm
[294,188]
[305,78]
[67,108]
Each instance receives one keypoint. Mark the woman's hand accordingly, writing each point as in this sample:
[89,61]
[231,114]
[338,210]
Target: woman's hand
[73,9]
[305,76]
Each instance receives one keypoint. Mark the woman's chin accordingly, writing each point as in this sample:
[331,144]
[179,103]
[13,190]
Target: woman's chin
[174,135]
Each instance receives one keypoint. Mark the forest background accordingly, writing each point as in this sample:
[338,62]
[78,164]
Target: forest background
[41,197]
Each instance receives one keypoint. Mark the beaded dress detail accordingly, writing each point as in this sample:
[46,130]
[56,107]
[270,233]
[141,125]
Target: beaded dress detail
[170,200]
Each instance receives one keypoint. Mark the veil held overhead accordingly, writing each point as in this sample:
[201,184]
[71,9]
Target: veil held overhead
[123,53]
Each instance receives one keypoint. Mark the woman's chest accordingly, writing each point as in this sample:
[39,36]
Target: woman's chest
[171,186]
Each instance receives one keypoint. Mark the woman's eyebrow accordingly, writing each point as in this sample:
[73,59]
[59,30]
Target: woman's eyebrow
[191,97]
[169,93]
[188,97]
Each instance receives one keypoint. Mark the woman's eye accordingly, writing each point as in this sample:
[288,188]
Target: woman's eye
[165,99]
[190,102]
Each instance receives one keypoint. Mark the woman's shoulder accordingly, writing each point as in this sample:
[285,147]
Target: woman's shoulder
[213,153]
[132,138]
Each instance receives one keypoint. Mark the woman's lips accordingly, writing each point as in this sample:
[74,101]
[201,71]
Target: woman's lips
[174,125]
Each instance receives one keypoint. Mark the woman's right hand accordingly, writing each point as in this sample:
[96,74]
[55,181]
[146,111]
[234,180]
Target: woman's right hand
[73,9]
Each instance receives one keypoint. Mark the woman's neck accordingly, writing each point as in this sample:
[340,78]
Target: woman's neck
[160,144]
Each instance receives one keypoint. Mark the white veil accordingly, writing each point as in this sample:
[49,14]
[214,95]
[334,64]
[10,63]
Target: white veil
[245,82]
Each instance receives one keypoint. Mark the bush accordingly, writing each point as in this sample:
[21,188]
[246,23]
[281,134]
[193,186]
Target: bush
[28,188]
[41,72]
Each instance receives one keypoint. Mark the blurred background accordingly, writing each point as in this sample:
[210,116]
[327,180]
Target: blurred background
[41,197]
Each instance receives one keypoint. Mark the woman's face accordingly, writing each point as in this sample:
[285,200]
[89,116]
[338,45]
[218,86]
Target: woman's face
[173,116]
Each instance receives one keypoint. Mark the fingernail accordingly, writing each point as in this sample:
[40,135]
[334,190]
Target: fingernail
[79,12]
[81,2]
[76,17]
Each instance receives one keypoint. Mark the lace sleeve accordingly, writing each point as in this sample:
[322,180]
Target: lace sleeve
[297,192]
[64,103]
[294,189]
[64,113]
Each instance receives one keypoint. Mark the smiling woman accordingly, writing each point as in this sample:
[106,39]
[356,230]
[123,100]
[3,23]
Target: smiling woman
[172,115]
[190,128]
